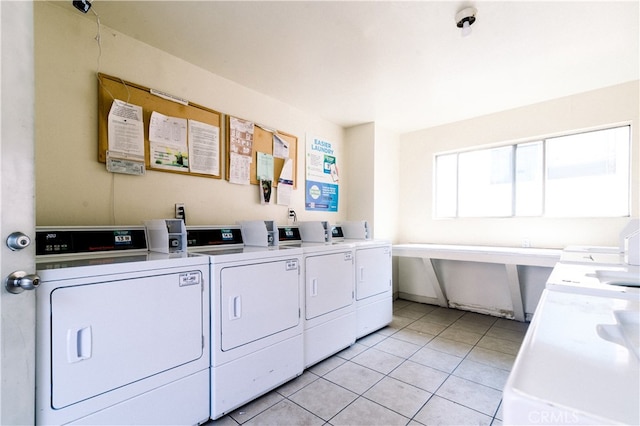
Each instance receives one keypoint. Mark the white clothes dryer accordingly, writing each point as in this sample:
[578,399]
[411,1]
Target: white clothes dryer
[329,299]
[256,324]
[122,333]
[373,282]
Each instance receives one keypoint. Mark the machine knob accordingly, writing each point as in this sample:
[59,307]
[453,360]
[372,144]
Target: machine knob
[19,281]
[18,241]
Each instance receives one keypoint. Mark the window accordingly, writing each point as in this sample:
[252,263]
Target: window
[485,182]
[529,179]
[446,191]
[578,175]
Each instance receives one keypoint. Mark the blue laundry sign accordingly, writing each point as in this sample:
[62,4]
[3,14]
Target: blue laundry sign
[321,196]
[322,176]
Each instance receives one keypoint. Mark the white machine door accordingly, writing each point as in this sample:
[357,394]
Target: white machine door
[373,271]
[329,283]
[257,301]
[109,334]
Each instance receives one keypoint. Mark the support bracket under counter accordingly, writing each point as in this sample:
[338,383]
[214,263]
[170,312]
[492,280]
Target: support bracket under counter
[479,278]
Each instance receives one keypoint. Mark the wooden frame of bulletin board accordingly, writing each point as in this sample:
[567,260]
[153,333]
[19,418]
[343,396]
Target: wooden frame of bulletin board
[263,142]
[110,87]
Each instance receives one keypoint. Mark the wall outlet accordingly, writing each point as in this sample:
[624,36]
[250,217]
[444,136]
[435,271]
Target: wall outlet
[179,211]
[526,243]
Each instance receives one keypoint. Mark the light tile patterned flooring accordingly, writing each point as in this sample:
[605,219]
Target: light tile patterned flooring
[430,366]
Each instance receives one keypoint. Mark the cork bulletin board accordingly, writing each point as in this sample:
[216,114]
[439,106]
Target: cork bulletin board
[110,88]
[263,142]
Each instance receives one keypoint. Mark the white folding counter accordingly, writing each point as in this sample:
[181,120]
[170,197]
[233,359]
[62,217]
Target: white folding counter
[501,281]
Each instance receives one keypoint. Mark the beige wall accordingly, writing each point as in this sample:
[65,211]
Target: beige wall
[360,148]
[372,154]
[385,178]
[617,104]
[72,188]
[386,184]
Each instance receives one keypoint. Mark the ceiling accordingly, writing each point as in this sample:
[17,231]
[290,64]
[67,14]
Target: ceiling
[403,65]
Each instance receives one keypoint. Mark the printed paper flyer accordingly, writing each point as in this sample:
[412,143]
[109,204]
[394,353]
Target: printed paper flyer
[322,176]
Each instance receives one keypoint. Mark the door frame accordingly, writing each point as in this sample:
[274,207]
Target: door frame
[17,195]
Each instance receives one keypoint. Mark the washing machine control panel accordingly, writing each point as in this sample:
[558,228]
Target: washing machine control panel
[213,237]
[76,241]
[289,234]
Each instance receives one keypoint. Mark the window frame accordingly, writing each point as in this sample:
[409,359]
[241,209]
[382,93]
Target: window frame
[543,164]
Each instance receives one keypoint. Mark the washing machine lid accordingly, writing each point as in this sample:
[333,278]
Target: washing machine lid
[368,243]
[332,247]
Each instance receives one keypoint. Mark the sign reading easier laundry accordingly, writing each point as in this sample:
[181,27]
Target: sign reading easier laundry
[322,177]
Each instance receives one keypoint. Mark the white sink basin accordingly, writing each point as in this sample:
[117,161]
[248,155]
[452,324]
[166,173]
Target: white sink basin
[626,332]
[621,278]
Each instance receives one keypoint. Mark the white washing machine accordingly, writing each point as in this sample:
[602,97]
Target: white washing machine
[256,324]
[329,299]
[580,360]
[579,363]
[122,333]
[374,286]
[594,270]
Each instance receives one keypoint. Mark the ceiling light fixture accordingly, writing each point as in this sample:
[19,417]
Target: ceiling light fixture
[465,18]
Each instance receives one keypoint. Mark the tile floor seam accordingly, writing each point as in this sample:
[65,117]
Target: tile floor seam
[454,402]
[360,365]
[308,411]
[326,421]
[409,384]
[269,407]
[429,399]
[497,410]
[464,358]
[493,324]
[377,403]
[476,382]
[476,345]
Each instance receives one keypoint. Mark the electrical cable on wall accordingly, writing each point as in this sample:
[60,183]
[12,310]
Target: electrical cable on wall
[84,6]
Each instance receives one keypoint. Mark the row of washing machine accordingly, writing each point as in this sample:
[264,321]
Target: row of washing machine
[129,336]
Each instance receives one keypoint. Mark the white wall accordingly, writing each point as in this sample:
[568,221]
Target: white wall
[583,111]
[72,188]
[373,175]
[386,184]
[360,149]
